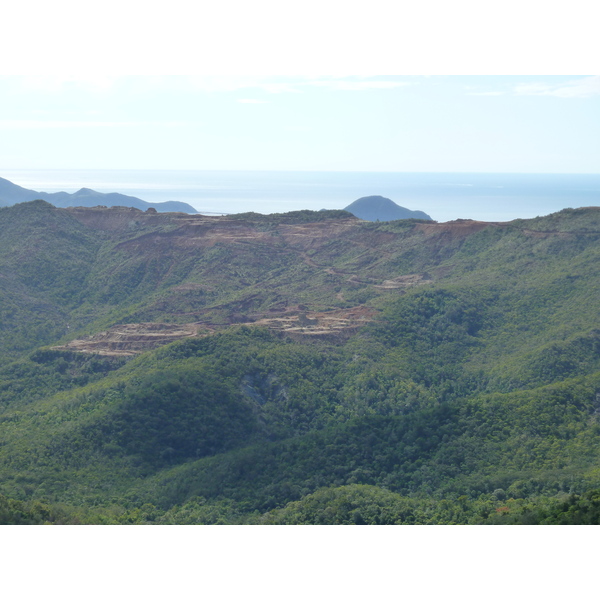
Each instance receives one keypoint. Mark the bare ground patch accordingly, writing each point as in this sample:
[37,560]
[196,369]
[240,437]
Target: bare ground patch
[134,338]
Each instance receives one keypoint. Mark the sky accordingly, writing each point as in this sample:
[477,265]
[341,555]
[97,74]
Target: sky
[540,124]
[317,86]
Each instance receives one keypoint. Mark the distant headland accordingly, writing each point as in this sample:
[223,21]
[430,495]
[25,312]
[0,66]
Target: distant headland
[378,208]
[10,194]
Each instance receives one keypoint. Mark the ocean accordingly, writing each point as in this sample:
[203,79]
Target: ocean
[444,196]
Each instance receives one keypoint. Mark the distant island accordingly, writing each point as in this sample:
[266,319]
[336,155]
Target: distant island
[10,194]
[378,208]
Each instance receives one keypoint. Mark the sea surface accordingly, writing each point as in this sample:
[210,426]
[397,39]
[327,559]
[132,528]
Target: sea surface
[444,196]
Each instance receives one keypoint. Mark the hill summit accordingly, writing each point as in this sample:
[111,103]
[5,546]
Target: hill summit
[378,208]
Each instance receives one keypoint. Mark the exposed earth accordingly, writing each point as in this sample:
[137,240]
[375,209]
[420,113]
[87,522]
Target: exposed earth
[315,246]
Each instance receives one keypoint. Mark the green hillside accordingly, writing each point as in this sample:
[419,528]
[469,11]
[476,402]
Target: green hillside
[297,368]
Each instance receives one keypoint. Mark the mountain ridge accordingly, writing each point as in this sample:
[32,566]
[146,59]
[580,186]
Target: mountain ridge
[11,193]
[308,367]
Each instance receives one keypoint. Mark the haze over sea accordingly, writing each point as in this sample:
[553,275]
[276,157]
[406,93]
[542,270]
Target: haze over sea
[444,196]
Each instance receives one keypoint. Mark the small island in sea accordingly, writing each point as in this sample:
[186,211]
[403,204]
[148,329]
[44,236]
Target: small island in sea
[378,208]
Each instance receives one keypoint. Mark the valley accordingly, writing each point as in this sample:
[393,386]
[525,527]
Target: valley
[305,367]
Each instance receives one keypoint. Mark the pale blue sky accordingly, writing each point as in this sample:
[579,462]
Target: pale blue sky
[546,124]
[138,85]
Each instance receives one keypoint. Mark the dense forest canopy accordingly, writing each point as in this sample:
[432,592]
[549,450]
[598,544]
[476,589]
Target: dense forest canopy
[307,367]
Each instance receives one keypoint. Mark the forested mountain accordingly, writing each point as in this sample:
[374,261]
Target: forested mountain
[11,193]
[306,367]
